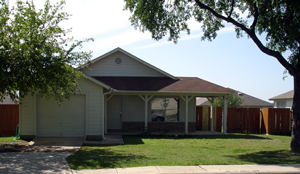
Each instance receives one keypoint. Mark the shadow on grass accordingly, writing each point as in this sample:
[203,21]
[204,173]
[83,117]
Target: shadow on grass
[138,138]
[101,158]
[133,140]
[269,157]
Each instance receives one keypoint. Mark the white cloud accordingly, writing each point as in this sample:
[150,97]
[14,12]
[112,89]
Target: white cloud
[122,38]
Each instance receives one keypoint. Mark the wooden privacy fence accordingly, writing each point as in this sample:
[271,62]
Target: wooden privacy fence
[9,119]
[203,118]
[243,120]
[276,120]
[246,120]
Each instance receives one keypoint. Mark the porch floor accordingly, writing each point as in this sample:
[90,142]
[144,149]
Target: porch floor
[116,138]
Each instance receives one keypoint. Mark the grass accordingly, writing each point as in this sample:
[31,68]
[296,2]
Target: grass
[170,151]
[8,139]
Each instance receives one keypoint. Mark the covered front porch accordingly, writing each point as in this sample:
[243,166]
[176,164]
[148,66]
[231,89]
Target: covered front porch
[137,114]
[149,105]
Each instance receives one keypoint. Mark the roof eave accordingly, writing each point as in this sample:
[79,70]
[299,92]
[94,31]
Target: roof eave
[195,93]
[96,81]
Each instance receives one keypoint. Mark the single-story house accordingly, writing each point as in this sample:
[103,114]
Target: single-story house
[120,93]
[284,100]
[248,101]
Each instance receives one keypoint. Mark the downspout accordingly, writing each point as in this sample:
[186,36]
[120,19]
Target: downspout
[103,111]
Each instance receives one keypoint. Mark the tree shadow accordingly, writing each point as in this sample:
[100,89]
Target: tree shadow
[269,157]
[137,139]
[101,158]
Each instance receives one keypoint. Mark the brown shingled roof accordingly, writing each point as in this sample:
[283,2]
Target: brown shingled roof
[162,84]
[287,95]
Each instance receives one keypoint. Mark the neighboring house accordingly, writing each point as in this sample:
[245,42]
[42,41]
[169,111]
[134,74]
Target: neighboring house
[284,100]
[120,93]
[248,101]
[7,100]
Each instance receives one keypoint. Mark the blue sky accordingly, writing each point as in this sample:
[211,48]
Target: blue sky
[226,61]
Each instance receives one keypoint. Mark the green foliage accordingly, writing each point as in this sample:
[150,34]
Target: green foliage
[279,20]
[234,101]
[36,56]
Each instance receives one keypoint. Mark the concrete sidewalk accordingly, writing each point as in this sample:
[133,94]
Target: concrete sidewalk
[203,169]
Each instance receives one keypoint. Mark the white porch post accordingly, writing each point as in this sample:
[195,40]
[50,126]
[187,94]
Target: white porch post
[146,99]
[212,109]
[225,116]
[186,115]
[186,99]
[104,112]
[146,113]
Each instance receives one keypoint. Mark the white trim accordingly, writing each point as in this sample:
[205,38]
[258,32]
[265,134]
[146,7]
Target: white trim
[212,113]
[186,99]
[86,113]
[146,99]
[133,57]
[35,117]
[198,94]
[225,116]
[96,81]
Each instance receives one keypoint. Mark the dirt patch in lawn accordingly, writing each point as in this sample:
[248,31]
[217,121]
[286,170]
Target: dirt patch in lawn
[25,147]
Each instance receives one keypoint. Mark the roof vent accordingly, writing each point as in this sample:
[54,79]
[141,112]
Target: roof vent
[118,61]
[240,94]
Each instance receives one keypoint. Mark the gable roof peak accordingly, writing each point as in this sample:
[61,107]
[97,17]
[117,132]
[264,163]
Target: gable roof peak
[135,58]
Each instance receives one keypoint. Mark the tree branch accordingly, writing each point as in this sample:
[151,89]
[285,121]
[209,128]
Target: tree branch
[251,33]
[252,27]
[231,10]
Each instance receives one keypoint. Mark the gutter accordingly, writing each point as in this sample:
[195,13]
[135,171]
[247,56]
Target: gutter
[103,111]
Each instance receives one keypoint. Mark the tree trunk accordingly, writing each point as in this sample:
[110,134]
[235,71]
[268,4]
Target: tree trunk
[295,142]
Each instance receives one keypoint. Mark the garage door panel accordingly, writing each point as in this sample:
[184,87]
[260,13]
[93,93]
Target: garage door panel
[64,120]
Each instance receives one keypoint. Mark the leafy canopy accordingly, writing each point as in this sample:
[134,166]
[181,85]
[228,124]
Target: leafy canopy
[36,56]
[234,101]
[279,20]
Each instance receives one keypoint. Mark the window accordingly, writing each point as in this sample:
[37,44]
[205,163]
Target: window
[281,104]
[165,109]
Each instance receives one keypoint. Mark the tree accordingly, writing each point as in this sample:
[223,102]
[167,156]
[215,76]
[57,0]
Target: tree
[279,20]
[36,56]
[233,100]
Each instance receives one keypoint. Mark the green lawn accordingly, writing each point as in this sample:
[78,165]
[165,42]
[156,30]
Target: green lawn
[204,150]
[7,139]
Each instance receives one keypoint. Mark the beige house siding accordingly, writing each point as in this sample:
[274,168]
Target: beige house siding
[94,106]
[93,110]
[128,68]
[133,108]
[27,117]
[284,103]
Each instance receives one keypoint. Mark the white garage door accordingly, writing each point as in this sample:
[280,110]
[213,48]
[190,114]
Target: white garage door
[64,120]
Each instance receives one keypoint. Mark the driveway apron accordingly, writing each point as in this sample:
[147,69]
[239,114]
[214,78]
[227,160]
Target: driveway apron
[52,160]
[39,162]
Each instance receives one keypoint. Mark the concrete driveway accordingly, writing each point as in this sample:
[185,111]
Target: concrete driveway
[49,156]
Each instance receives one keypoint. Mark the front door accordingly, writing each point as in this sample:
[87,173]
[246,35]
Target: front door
[114,113]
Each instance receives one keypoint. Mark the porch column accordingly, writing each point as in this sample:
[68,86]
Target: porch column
[186,99]
[104,112]
[146,99]
[212,109]
[225,115]
[106,99]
